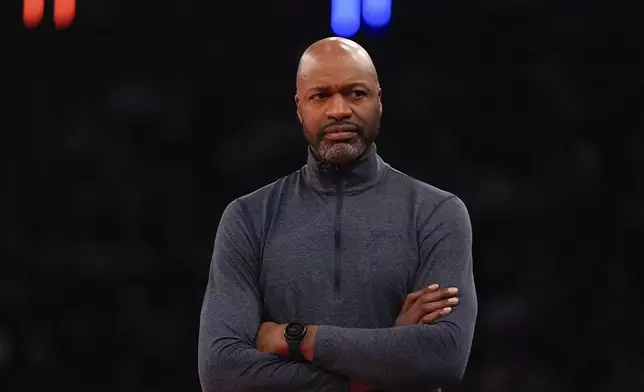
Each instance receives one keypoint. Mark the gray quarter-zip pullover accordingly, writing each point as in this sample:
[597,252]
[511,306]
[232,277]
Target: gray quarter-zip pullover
[340,248]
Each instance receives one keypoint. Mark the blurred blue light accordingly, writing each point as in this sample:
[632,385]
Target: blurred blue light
[376,13]
[345,17]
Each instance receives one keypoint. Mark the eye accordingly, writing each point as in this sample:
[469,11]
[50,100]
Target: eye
[320,96]
[358,93]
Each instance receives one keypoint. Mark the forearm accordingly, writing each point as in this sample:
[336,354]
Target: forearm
[228,359]
[430,356]
[235,366]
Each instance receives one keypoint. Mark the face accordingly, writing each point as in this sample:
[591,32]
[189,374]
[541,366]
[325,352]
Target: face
[339,105]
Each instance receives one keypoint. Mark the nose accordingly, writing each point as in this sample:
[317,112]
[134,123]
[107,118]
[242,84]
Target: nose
[338,108]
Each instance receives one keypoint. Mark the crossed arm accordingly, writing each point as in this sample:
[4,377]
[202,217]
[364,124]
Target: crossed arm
[410,357]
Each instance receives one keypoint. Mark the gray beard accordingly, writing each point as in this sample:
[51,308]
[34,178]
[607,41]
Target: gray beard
[337,153]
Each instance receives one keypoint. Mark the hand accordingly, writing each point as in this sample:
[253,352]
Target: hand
[270,339]
[427,305]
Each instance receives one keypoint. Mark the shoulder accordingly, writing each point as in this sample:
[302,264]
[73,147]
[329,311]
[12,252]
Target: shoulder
[421,191]
[269,192]
[255,203]
[430,202]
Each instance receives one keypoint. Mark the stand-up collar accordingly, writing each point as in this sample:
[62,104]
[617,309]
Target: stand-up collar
[356,176]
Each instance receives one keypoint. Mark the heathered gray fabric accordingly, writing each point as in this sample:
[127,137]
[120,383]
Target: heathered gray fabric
[275,259]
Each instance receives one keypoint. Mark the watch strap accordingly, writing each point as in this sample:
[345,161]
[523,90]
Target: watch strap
[294,351]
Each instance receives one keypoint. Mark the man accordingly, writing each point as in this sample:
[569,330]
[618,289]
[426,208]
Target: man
[328,279]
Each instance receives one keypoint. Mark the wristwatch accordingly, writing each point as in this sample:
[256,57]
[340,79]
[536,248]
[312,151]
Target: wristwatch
[294,334]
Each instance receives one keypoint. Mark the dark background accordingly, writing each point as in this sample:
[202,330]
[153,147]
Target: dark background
[126,135]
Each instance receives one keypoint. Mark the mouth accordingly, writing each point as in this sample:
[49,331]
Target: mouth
[340,132]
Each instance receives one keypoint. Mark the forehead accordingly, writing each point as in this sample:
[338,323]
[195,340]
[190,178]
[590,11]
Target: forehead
[337,70]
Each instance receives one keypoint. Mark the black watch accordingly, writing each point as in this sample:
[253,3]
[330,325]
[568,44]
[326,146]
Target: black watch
[294,334]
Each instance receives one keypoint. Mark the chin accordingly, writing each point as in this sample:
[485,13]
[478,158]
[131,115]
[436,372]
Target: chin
[340,153]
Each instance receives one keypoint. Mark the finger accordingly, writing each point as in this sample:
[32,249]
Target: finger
[429,307]
[435,315]
[412,297]
[438,295]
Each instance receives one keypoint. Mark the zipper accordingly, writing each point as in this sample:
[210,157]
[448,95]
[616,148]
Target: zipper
[337,256]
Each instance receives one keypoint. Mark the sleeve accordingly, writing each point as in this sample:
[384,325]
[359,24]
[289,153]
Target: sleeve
[416,357]
[230,318]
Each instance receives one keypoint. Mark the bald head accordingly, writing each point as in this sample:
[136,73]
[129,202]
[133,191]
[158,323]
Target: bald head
[327,53]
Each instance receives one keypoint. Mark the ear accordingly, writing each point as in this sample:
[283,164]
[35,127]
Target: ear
[299,110]
[380,100]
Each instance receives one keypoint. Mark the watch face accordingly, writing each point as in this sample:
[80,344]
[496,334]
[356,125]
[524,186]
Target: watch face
[294,329]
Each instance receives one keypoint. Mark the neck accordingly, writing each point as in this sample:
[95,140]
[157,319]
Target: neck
[356,175]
